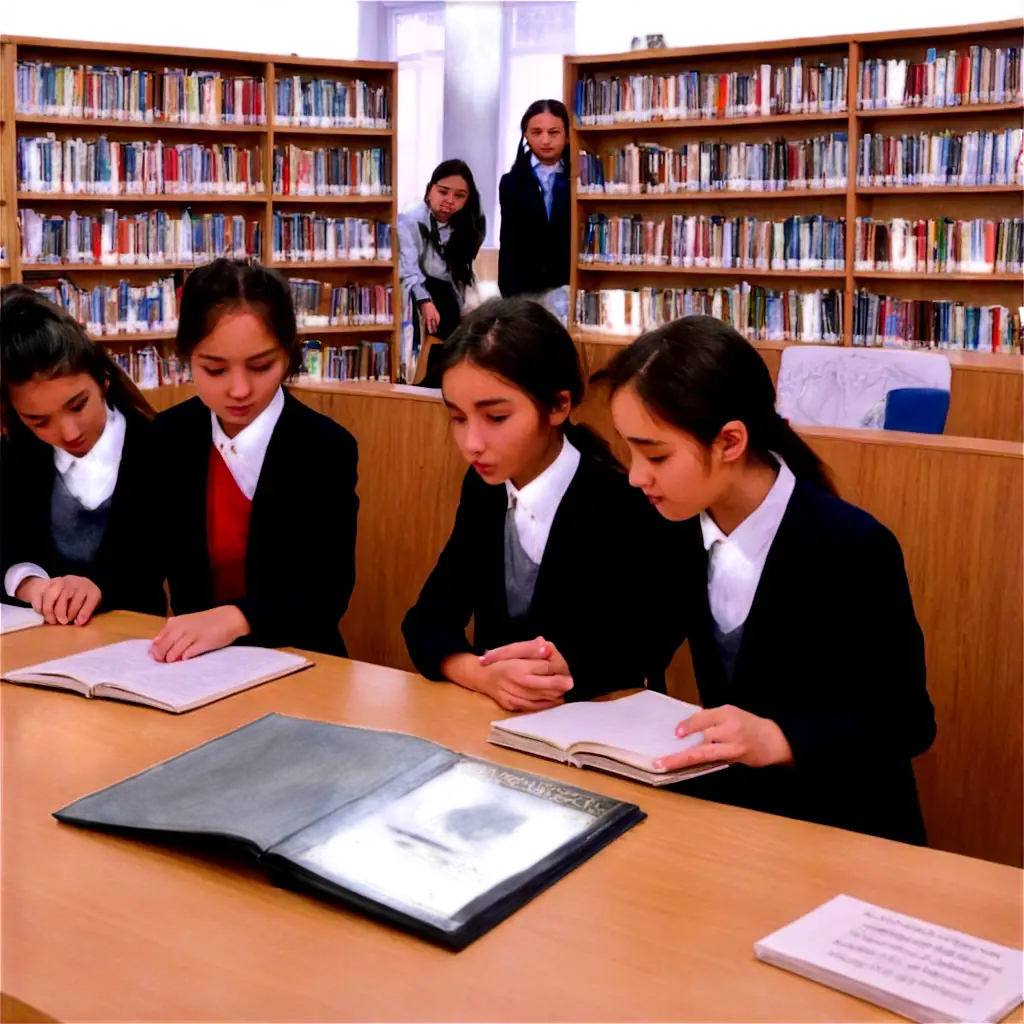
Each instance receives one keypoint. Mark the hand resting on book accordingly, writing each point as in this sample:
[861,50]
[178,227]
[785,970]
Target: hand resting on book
[186,636]
[65,600]
[730,735]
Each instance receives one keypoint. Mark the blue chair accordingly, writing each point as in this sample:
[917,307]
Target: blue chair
[919,410]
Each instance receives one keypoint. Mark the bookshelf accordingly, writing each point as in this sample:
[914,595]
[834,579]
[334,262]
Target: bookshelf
[251,145]
[616,118]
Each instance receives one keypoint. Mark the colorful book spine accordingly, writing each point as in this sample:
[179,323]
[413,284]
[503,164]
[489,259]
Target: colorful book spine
[101,167]
[364,360]
[813,163]
[894,322]
[124,308]
[313,238]
[151,238]
[799,87]
[328,103]
[320,304]
[331,171]
[760,314]
[978,74]
[797,243]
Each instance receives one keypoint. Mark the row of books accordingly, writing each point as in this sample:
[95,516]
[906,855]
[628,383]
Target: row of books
[760,314]
[320,304]
[171,96]
[940,245]
[802,87]
[818,162]
[796,243]
[332,171]
[105,168]
[137,239]
[315,238]
[148,368]
[934,323]
[327,103]
[365,360]
[122,308]
[942,158]
[981,75]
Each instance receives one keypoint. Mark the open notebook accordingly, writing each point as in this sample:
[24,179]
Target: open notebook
[624,736]
[14,617]
[126,671]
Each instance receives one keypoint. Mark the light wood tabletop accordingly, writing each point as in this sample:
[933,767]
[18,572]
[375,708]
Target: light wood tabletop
[658,926]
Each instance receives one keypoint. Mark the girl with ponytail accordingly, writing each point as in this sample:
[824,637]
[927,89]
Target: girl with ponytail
[807,653]
[533,557]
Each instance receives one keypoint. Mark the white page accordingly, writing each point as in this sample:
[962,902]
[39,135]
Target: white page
[643,723]
[13,617]
[130,666]
[911,964]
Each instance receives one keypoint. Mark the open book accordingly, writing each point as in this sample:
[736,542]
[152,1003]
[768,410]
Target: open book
[126,671]
[911,967]
[14,617]
[624,736]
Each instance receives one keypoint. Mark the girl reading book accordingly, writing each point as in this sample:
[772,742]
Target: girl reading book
[531,557]
[74,431]
[807,653]
[254,498]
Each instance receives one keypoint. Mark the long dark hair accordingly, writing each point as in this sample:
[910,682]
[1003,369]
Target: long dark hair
[524,344]
[469,226]
[226,286]
[697,374]
[556,107]
[39,339]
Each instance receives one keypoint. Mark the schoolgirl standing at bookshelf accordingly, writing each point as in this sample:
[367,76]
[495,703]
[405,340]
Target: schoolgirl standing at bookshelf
[808,656]
[253,492]
[74,434]
[534,556]
[534,257]
[438,240]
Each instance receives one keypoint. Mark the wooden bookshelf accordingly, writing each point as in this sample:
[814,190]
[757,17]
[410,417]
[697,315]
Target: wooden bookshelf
[259,206]
[855,200]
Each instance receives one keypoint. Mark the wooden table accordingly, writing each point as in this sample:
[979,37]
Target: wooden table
[658,926]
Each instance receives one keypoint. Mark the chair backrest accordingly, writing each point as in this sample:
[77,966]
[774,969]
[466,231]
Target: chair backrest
[835,386]
[919,410]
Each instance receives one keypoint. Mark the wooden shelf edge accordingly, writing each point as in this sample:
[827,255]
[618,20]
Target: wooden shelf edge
[922,275]
[621,268]
[369,200]
[332,264]
[348,329]
[283,129]
[162,197]
[720,122]
[108,125]
[965,108]
[696,195]
[922,190]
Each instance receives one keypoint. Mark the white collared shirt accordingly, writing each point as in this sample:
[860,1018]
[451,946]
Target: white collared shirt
[536,504]
[735,563]
[90,478]
[244,453]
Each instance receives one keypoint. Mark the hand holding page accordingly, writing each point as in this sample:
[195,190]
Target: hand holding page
[13,617]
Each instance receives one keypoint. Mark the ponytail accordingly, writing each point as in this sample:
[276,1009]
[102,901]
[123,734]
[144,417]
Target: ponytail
[798,455]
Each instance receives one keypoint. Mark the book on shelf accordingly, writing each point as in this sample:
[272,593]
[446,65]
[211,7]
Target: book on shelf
[759,314]
[329,103]
[171,96]
[712,166]
[940,245]
[799,87]
[622,737]
[363,361]
[392,826]
[797,243]
[331,171]
[14,617]
[122,309]
[321,304]
[920,970]
[148,368]
[935,323]
[114,239]
[100,167]
[315,238]
[126,671]
[975,75]
[942,158]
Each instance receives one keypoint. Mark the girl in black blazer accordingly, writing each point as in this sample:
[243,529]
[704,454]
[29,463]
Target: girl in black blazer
[253,492]
[534,257]
[529,558]
[807,653]
[75,428]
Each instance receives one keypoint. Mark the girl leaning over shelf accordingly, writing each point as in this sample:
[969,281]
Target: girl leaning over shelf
[438,240]
[74,433]
[534,257]
[807,653]
[253,493]
[538,555]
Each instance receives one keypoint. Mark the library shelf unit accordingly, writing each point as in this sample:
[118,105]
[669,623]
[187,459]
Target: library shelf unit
[257,206]
[850,202]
